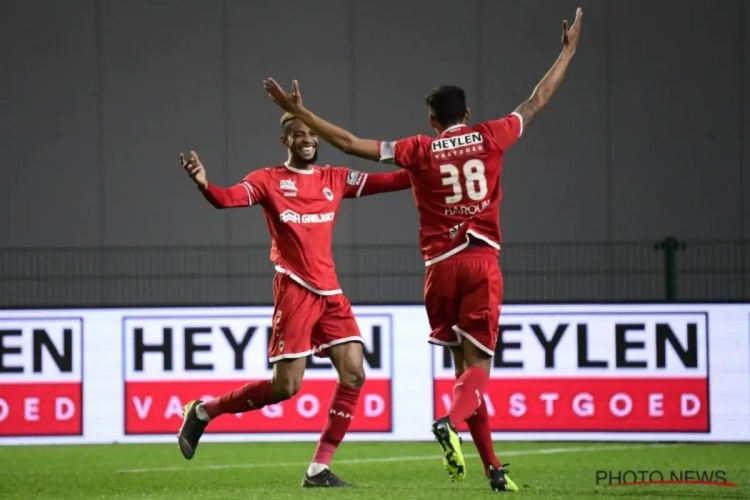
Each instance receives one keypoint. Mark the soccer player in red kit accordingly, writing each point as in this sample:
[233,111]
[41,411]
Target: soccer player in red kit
[456,183]
[300,201]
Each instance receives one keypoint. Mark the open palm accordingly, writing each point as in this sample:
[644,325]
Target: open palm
[286,101]
[570,35]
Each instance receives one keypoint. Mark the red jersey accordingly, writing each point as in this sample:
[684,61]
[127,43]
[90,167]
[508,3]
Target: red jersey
[456,183]
[301,207]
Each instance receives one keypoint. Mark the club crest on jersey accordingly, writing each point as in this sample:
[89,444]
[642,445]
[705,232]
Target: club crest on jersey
[328,194]
[452,232]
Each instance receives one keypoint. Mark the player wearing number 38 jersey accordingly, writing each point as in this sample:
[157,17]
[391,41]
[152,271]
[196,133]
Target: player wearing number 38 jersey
[456,181]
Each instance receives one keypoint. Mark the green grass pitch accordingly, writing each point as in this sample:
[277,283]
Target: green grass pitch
[403,471]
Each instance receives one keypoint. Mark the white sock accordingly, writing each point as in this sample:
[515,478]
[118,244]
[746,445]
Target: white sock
[200,412]
[315,469]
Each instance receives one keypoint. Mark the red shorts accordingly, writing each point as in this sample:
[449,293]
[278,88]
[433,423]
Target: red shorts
[305,322]
[463,295]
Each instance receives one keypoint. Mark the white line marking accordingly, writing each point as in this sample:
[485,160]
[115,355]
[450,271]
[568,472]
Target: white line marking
[436,456]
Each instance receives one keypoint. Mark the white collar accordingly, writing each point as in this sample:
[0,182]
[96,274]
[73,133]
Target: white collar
[453,127]
[306,171]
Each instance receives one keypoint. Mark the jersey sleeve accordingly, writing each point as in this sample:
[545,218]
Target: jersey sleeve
[226,197]
[364,184]
[255,184]
[404,153]
[503,133]
[354,182]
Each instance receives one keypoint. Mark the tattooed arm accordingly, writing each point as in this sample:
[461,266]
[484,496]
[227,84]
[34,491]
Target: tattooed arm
[548,85]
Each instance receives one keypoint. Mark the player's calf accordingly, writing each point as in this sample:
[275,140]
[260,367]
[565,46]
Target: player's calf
[481,434]
[348,360]
[467,397]
[286,382]
[468,392]
[479,422]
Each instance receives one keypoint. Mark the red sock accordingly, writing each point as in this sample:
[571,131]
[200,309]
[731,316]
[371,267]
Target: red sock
[467,394]
[340,415]
[252,396]
[479,426]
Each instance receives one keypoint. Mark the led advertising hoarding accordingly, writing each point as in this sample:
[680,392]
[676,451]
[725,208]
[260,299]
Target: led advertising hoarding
[560,372]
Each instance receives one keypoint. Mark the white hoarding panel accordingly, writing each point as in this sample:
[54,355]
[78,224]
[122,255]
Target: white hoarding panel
[561,372]
[41,375]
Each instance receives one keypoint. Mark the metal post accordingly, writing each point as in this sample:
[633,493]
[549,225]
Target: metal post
[670,246]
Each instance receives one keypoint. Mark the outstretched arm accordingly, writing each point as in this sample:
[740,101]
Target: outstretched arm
[340,138]
[365,184]
[543,92]
[239,195]
[333,134]
[227,197]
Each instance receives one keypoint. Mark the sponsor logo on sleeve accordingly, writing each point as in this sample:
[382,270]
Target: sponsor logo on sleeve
[354,178]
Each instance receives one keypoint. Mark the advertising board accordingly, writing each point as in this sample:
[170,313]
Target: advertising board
[170,360]
[561,372]
[41,376]
[592,372]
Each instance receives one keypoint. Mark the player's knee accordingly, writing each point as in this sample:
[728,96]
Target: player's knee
[285,389]
[481,360]
[353,377]
[349,362]
[476,357]
[458,360]
[287,378]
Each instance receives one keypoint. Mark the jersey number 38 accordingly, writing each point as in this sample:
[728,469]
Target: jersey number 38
[471,177]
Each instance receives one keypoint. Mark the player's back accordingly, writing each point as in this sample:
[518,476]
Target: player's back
[456,181]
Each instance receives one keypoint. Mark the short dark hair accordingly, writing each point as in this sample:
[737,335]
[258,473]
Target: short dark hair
[447,104]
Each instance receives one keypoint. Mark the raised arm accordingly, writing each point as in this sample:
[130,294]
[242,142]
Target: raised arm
[235,196]
[360,184]
[333,134]
[548,85]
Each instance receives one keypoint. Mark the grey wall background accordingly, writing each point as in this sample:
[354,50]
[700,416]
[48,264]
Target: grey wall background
[646,137]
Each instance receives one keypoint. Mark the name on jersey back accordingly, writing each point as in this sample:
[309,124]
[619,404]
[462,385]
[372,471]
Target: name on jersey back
[472,209]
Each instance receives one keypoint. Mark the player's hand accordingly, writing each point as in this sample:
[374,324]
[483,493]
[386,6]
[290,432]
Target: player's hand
[291,103]
[194,168]
[570,35]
